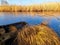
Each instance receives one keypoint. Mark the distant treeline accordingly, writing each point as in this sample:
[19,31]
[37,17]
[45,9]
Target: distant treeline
[32,8]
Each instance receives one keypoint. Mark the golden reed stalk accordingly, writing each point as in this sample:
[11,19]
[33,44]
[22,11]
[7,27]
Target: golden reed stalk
[37,35]
[48,7]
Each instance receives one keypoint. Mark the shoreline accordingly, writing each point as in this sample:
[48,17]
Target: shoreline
[33,13]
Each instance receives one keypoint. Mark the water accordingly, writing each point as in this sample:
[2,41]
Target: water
[52,21]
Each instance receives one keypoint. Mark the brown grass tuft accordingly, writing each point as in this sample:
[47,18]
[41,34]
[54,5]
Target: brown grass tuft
[37,35]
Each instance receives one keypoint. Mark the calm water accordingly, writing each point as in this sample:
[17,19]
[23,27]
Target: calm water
[52,22]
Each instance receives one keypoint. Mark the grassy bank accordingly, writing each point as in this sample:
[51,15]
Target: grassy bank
[37,35]
[28,35]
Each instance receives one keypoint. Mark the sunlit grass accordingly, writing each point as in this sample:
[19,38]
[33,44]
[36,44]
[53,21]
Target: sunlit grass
[45,7]
[37,35]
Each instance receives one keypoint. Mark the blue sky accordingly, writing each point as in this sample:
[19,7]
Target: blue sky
[29,2]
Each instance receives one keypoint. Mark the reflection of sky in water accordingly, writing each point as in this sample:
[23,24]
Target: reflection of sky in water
[55,24]
[10,18]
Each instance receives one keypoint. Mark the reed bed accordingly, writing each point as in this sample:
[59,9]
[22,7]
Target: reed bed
[37,35]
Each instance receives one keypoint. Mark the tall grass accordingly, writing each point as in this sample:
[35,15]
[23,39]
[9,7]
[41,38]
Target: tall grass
[44,7]
[37,35]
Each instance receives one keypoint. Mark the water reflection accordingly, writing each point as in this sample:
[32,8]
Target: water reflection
[55,24]
[52,21]
[11,18]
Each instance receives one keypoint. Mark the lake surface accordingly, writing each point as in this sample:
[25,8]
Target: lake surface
[52,21]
